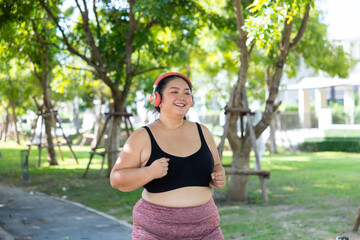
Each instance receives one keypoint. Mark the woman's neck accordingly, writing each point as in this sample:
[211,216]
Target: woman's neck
[171,123]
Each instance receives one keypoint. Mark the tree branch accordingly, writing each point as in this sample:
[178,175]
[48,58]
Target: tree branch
[285,40]
[46,43]
[37,35]
[240,23]
[244,53]
[302,28]
[38,40]
[236,40]
[118,23]
[152,23]
[97,20]
[271,106]
[137,62]
[90,38]
[78,6]
[64,39]
[84,69]
[36,74]
[129,48]
[251,47]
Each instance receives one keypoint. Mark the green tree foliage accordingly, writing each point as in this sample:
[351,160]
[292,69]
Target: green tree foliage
[15,94]
[29,37]
[263,23]
[268,35]
[124,41]
[319,53]
[16,83]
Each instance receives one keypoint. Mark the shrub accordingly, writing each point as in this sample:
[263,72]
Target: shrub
[331,144]
[357,115]
[338,114]
[291,108]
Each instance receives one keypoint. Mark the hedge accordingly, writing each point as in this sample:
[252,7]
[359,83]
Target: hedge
[331,144]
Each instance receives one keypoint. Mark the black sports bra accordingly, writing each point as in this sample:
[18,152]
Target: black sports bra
[193,170]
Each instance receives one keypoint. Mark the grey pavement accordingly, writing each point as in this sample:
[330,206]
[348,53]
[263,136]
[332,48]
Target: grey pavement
[33,215]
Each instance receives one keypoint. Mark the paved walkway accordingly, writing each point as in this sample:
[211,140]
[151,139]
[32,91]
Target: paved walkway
[32,215]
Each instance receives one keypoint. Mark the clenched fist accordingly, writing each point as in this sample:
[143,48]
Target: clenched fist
[159,168]
[218,179]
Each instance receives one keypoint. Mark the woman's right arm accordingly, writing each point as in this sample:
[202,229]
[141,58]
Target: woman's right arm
[128,174]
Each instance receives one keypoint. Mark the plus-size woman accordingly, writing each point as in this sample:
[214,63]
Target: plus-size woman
[176,161]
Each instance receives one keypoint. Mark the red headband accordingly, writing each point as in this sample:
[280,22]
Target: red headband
[172,74]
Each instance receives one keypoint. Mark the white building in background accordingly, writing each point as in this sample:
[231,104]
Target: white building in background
[309,89]
[316,90]
[319,91]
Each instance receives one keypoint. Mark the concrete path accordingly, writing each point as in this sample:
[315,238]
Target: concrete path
[33,215]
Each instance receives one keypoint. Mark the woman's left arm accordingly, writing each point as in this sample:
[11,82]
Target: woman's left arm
[218,178]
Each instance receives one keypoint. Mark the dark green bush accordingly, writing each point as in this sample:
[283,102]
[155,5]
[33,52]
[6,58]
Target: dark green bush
[331,144]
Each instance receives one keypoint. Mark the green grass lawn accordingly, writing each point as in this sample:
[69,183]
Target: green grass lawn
[312,195]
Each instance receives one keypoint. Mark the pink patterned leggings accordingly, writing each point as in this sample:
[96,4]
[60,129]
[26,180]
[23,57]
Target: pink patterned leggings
[153,221]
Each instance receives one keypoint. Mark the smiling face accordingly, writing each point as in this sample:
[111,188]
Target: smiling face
[176,97]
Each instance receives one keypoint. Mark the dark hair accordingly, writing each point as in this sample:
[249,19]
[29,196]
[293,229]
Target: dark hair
[161,85]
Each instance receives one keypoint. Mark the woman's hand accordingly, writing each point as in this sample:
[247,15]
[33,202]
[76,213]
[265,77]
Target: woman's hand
[218,179]
[159,168]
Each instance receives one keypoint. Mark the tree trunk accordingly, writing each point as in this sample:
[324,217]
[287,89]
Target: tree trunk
[2,128]
[49,120]
[49,138]
[98,127]
[272,137]
[14,118]
[273,146]
[115,133]
[237,186]
[237,190]
[120,96]
[114,143]
[99,122]
[76,119]
[4,131]
[44,78]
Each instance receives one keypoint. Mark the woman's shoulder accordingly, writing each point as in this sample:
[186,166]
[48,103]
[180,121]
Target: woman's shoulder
[204,129]
[138,136]
[206,132]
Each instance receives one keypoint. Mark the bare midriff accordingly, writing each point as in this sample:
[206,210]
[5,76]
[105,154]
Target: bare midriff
[181,197]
